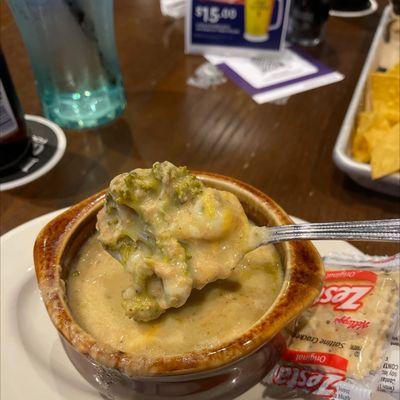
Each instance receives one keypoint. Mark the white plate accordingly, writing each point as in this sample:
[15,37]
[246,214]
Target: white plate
[33,363]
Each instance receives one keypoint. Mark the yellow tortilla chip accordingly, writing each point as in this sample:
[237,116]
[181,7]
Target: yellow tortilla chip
[372,120]
[365,120]
[385,91]
[395,70]
[370,128]
[379,121]
[373,136]
[360,148]
[385,156]
[378,128]
[391,115]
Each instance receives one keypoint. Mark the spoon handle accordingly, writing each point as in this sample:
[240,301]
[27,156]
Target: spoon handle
[380,230]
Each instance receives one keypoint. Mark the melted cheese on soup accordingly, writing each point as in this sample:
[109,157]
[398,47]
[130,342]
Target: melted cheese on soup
[172,234]
[221,311]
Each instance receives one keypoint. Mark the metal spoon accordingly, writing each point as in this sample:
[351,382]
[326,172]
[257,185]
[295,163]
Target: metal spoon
[386,230]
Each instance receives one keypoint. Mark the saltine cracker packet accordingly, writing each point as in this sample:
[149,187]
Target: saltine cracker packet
[344,346]
[389,380]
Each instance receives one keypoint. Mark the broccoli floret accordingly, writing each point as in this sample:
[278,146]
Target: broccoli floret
[141,179]
[182,185]
[142,307]
[164,181]
[125,247]
[187,188]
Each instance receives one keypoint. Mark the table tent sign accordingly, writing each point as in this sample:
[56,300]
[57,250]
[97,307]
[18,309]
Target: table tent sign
[236,27]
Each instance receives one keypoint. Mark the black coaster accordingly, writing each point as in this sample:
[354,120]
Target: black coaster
[48,146]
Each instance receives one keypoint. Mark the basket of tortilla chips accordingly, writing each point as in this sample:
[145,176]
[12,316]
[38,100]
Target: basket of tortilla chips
[377,133]
[368,146]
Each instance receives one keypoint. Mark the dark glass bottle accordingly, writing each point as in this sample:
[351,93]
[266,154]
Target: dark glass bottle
[350,5]
[307,21]
[14,139]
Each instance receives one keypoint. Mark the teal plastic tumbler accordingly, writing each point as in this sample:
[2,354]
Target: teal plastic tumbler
[72,50]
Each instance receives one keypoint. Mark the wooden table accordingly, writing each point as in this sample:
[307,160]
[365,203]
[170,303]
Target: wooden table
[284,150]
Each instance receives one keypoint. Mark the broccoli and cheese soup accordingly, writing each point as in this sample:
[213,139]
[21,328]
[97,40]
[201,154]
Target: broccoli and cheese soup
[172,234]
[172,267]
[221,311]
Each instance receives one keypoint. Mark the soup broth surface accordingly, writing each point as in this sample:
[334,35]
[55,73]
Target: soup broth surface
[221,311]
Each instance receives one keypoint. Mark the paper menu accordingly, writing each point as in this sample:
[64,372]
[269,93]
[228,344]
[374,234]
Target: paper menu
[273,77]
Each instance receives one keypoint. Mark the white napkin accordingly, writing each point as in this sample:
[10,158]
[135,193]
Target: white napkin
[173,8]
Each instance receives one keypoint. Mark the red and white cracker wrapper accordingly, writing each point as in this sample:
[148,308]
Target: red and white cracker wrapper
[345,346]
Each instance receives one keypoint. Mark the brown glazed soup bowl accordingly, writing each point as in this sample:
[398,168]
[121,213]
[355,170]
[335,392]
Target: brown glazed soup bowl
[218,373]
